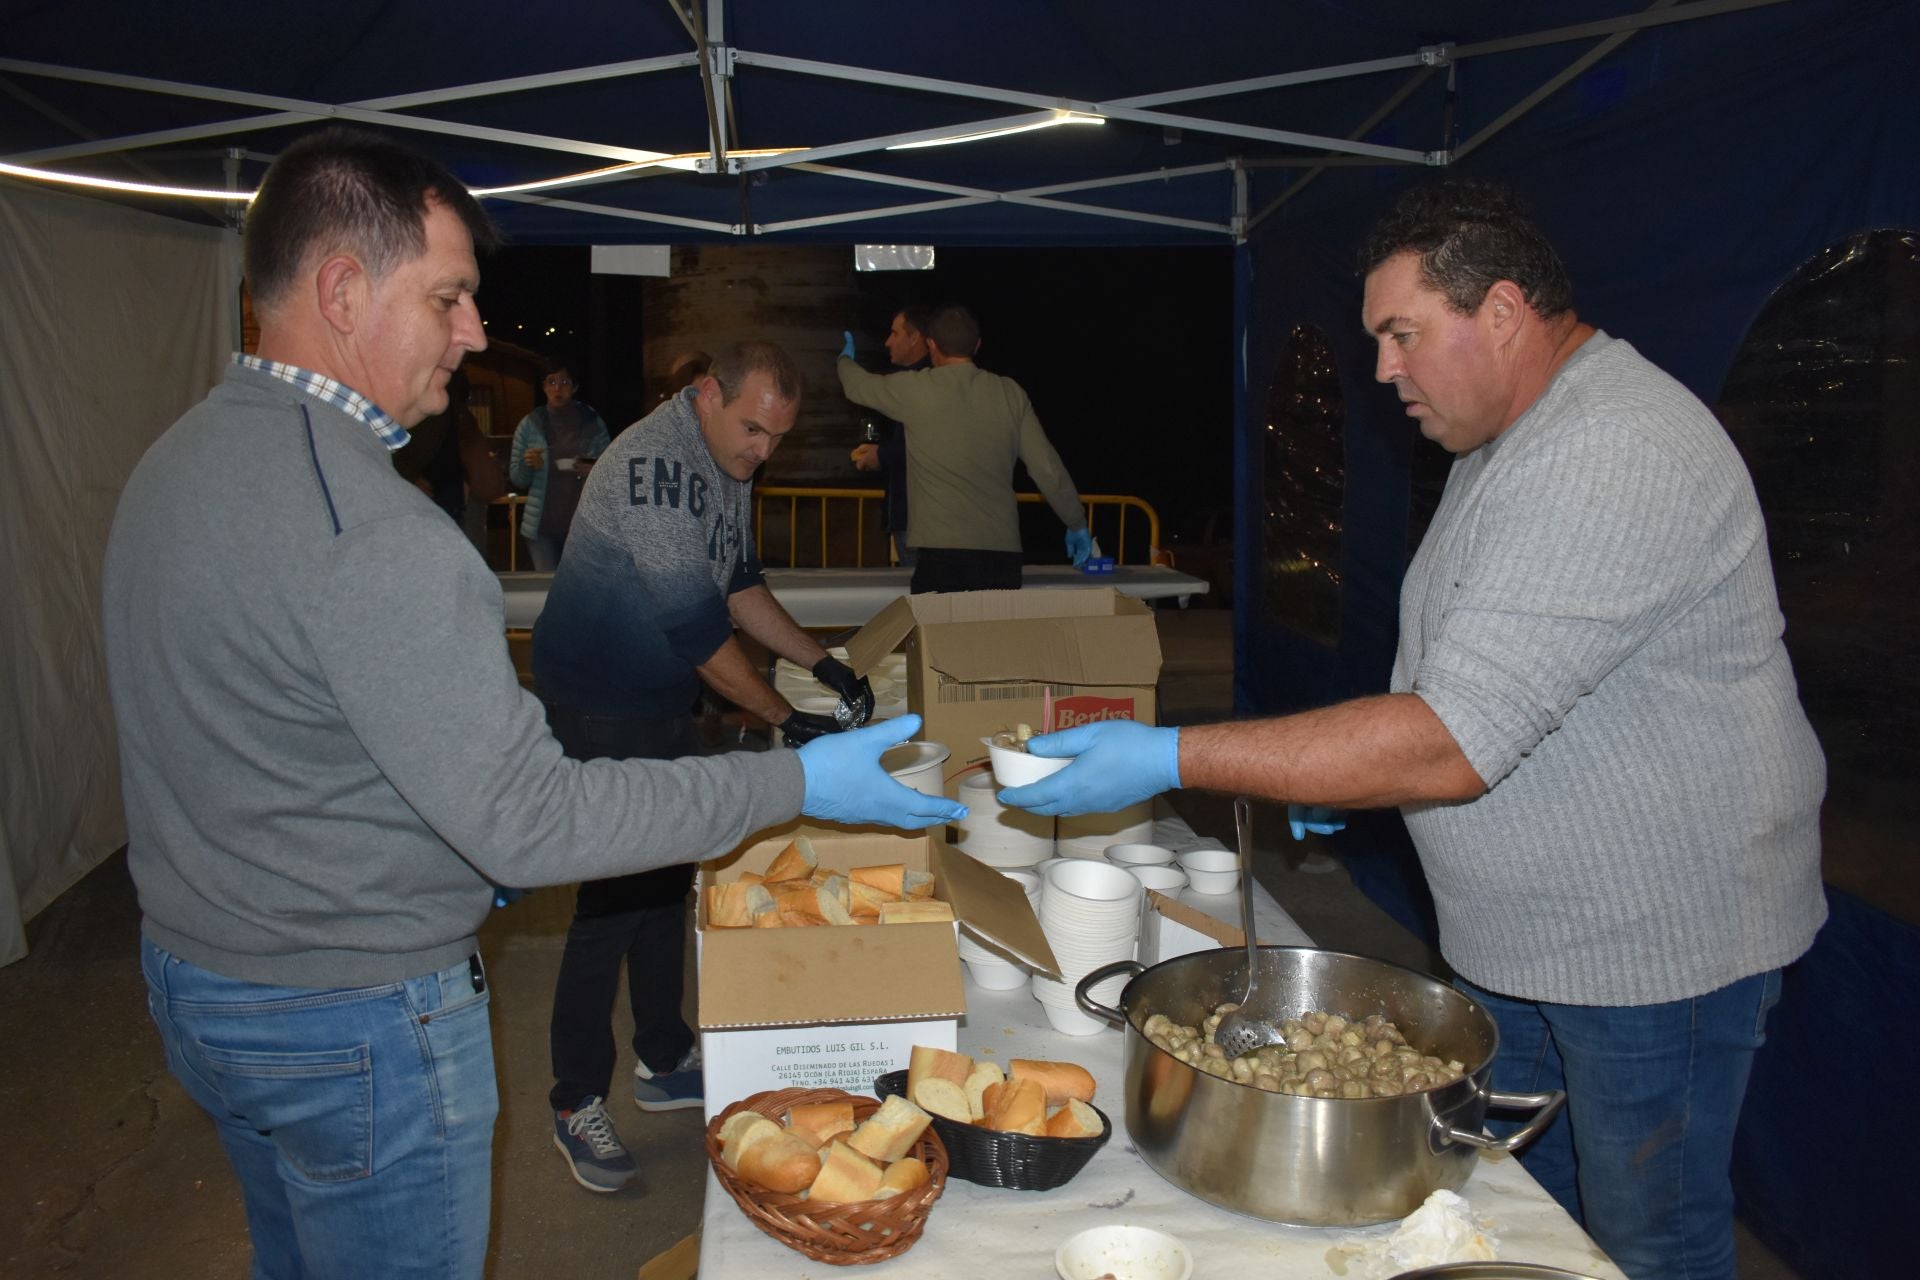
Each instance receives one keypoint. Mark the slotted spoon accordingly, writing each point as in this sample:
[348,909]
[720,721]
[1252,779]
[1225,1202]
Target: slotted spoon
[1256,1023]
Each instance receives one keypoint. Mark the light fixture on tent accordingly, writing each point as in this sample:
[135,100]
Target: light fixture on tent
[893,257]
[1059,118]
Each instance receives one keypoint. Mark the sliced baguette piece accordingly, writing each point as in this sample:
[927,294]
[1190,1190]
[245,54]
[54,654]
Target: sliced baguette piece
[901,1177]
[821,1122]
[845,1176]
[916,913]
[1074,1120]
[1061,1080]
[943,1098]
[1018,1106]
[733,906]
[916,885]
[832,897]
[983,1075]
[925,1062]
[780,1162]
[890,1132]
[740,1132]
[886,878]
[795,862]
[864,902]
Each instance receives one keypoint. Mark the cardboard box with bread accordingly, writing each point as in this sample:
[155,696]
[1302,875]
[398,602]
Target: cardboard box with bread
[793,1004]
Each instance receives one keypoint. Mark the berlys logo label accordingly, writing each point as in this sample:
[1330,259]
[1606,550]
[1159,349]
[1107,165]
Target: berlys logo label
[1085,709]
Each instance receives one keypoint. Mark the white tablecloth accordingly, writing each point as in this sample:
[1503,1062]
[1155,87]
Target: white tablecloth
[850,597]
[984,1231]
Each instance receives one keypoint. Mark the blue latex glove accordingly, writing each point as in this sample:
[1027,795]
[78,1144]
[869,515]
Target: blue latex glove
[846,344]
[1120,762]
[845,782]
[503,896]
[1079,546]
[1316,818]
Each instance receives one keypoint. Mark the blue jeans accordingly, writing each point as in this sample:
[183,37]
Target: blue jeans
[1653,1098]
[359,1121]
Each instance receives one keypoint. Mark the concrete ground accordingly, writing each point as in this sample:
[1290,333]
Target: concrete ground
[113,1173]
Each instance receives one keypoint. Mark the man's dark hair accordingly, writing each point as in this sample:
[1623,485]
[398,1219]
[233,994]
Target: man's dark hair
[1469,233]
[917,317]
[341,189]
[953,329]
[737,363]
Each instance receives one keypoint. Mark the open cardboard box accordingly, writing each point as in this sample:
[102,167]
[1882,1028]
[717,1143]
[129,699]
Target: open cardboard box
[837,1006]
[980,661]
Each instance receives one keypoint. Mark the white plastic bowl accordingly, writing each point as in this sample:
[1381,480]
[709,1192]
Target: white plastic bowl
[1124,1253]
[1072,1022]
[1139,855]
[996,975]
[1017,768]
[1211,870]
[1168,880]
[917,765]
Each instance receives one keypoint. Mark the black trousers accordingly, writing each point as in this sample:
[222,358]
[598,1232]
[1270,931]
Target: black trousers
[961,569]
[640,919]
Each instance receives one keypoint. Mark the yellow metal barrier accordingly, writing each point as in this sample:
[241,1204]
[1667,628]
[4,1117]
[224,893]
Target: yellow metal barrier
[1096,504]
[795,496]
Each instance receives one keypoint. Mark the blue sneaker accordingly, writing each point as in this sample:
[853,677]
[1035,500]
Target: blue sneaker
[670,1090]
[586,1138]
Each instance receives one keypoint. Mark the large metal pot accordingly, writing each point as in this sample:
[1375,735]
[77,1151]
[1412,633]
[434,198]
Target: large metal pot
[1311,1161]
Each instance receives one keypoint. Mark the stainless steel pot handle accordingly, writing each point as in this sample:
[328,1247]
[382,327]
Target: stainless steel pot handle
[1094,1008]
[1549,1104]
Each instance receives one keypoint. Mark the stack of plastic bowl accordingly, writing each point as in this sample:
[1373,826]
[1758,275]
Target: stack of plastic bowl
[1087,835]
[996,834]
[1090,912]
[920,765]
[987,965]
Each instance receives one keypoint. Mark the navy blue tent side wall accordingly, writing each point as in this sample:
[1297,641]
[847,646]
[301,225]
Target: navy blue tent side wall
[1684,181]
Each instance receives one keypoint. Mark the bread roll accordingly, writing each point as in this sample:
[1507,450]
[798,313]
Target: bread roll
[741,1131]
[1075,1120]
[926,1061]
[1018,1106]
[845,1177]
[887,879]
[902,1176]
[890,1132]
[983,1075]
[780,1162]
[943,1098]
[819,1122]
[915,913]
[795,862]
[1061,1080]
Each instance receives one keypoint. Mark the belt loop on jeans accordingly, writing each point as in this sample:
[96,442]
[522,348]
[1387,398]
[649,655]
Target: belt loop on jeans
[479,974]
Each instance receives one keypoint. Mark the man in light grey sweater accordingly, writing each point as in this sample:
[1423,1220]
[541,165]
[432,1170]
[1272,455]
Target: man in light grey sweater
[326,755]
[1593,730]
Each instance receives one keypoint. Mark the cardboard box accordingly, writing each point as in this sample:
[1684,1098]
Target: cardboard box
[836,1006]
[979,662]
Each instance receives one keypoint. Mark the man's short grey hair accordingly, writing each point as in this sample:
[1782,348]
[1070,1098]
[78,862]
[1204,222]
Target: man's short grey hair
[342,190]
[742,360]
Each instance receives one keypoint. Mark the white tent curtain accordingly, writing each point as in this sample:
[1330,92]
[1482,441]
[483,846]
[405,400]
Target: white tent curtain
[112,322]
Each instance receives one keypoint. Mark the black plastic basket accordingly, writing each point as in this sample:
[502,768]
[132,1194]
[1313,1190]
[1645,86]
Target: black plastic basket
[1017,1161]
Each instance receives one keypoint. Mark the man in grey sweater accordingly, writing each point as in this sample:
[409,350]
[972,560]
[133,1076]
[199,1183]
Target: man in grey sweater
[326,756]
[1593,730]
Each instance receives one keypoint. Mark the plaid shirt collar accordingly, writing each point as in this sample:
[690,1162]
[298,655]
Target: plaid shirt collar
[339,395]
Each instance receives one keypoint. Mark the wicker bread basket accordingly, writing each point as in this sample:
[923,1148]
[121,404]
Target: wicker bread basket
[1016,1161]
[843,1234]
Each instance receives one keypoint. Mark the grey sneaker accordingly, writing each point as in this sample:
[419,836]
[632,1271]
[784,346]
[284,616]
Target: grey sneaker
[672,1090]
[586,1138]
